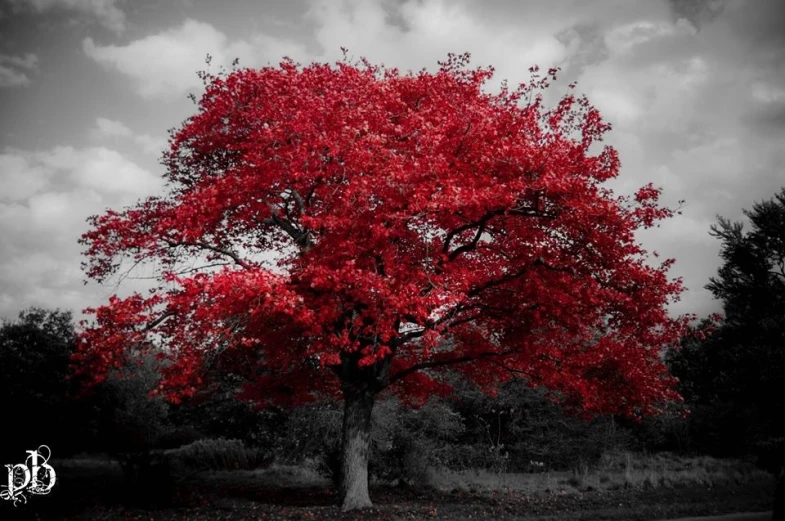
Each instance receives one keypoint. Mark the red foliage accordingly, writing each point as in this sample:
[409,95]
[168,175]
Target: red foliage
[374,227]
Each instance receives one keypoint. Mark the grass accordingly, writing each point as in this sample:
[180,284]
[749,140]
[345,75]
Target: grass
[622,470]
[619,470]
[622,487]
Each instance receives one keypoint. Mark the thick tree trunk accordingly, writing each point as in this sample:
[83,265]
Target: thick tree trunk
[358,405]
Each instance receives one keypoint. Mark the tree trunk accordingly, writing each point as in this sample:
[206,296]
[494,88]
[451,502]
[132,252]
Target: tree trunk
[358,405]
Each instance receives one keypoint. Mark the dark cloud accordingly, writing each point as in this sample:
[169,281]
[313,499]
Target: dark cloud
[760,22]
[697,12]
[769,119]
[585,44]
[393,14]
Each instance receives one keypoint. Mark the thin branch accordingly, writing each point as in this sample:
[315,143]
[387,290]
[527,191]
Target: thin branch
[516,373]
[152,324]
[468,226]
[184,271]
[512,276]
[448,361]
[205,266]
[483,221]
[471,245]
[232,255]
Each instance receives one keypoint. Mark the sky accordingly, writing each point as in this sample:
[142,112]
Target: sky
[694,89]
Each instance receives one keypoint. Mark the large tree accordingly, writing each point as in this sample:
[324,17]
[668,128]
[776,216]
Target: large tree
[333,231]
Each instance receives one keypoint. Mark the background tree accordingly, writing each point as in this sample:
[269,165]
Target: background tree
[34,358]
[338,231]
[133,427]
[733,377]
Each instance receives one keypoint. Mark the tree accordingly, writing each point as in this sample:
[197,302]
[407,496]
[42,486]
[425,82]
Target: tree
[734,377]
[34,357]
[751,281]
[337,231]
[743,360]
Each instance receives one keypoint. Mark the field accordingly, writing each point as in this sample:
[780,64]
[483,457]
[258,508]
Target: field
[622,487]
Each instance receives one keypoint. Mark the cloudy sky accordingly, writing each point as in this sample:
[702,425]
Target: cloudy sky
[695,91]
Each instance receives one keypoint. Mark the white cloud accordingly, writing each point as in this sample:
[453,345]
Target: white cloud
[12,78]
[105,11]
[51,194]
[150,144]
[10,65]
[21,177]
[768,93]
[27,61]
[164,65]
[430,29]
[101,169]
[626,37]
[110,129]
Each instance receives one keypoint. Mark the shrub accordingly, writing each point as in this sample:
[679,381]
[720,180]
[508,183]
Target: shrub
[216,454]
[522,425]
[407,442]
[313,433]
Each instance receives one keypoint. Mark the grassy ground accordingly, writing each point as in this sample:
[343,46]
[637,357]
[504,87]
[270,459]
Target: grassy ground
[622,470]
[623,488]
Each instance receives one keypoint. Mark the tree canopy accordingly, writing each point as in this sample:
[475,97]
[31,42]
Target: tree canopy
[349,228]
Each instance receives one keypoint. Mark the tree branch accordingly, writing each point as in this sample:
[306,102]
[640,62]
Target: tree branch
[471,245]
[298,199]
[449,361]
[301,237]
[512,276]
[482,224]
[468,226]
[152,324]
[232,255]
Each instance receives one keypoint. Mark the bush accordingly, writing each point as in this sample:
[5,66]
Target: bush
[129,420]
[223,415]
[312,435]
[407,442]
[216,454]
[522,430]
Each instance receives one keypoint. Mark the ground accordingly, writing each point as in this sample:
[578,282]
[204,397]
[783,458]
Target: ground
[99,494]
